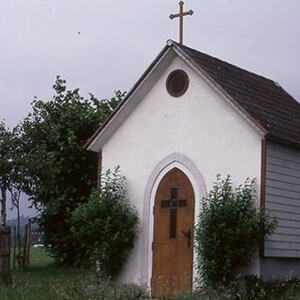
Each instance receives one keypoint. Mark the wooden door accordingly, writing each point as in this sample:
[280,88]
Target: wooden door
[173,245]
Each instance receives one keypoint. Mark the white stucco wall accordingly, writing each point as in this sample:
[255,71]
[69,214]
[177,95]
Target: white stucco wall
[201,125]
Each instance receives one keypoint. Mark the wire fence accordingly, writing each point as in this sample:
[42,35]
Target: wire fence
[14,250]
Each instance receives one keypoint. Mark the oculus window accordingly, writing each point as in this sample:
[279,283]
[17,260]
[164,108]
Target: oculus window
[177,83]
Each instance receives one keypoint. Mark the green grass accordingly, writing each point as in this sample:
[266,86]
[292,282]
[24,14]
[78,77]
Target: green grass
[43,280]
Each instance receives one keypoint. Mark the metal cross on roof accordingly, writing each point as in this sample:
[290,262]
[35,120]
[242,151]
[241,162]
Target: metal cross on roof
[180,16]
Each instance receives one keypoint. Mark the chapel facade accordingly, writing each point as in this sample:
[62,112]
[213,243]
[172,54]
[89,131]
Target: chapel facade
[188,118]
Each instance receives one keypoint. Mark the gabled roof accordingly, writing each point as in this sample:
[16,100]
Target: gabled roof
[263,102]
[271,106]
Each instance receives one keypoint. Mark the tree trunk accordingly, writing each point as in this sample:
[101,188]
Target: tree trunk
[15,195]
[3,206]
[19,236]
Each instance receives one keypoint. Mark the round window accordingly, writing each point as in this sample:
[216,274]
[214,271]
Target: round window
[177,83]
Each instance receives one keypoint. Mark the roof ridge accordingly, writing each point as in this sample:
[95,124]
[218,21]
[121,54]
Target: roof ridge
[274,83]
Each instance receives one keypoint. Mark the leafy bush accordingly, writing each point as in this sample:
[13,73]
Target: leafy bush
[229,230]
[105,227]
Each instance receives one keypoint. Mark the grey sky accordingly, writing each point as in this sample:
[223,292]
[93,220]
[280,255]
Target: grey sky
[101,46]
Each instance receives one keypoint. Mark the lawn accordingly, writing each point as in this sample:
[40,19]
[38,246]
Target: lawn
[43,280]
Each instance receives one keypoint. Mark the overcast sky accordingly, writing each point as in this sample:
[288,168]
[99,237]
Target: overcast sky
[102,46]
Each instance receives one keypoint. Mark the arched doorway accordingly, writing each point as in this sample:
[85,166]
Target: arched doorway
[172,268]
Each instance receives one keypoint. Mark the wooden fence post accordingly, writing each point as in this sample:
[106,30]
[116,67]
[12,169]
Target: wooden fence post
[15,246]
[28,243]
[25,247]
[5,237]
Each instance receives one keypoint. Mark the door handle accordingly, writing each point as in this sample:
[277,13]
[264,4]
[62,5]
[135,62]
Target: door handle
[188,236]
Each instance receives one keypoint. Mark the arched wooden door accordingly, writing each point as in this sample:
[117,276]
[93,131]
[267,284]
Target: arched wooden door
[172,245]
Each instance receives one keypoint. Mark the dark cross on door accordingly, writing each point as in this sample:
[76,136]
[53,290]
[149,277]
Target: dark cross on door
[180,16]
[173,203]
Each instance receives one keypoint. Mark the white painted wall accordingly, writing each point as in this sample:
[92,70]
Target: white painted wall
[200,125]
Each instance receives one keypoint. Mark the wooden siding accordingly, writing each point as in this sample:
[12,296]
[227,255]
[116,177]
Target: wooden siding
[282,200]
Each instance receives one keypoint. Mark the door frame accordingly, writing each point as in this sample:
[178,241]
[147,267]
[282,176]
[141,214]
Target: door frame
[187,166]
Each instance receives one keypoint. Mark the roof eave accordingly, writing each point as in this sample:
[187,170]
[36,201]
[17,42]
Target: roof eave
[283,141]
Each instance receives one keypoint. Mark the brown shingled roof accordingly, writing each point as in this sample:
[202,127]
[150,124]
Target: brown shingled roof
[271,106]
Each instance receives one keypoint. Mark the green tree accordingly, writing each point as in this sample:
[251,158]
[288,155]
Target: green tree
[59,173]
[229,230]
